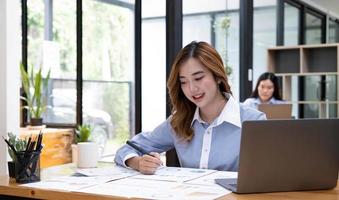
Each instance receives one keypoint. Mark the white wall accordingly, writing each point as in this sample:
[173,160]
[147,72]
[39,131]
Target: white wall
[10,51]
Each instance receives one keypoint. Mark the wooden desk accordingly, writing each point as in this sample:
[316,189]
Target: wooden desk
[10,188]
[57,145]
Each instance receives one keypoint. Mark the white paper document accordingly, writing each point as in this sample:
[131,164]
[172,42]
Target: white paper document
[112,171]
[176,174]
[68,183]
[151,189]
[95,176]
[209,179]
[166,183]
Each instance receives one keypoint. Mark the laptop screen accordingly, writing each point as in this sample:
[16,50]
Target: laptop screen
[276,111]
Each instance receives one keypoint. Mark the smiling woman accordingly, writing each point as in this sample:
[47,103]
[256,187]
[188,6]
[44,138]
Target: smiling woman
[198,85]
[205,124]
[202,67]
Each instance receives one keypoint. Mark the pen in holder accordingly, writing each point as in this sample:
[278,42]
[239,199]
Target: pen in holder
[27,166]
[26,157]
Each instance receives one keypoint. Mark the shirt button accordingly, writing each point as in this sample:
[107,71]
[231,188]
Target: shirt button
[206,150]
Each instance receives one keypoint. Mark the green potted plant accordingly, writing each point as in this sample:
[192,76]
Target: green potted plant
[82,134]
[19,145]
[34,85]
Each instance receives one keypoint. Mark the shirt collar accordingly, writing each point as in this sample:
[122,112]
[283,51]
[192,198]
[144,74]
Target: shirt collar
[257,101]
[230,113]
[271,101]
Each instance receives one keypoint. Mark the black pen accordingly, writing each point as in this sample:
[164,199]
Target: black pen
[38,145]
[141,150]
[29,142]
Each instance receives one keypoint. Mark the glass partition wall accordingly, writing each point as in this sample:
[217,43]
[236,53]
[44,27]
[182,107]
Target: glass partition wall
[314,85]
[108,70]
[291,24]
[153,63]
[264,35]
[107,64]
[53,47]
[306,25]
[215,22]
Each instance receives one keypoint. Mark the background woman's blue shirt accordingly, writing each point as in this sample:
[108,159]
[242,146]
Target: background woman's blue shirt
[254,102]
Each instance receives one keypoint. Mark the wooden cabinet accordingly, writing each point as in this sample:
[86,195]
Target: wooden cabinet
[309,77]
[57,143]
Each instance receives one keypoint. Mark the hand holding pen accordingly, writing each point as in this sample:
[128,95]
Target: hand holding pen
[148,163]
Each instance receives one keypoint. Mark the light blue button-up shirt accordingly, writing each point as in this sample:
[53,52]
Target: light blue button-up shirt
[214,146]
[254,102]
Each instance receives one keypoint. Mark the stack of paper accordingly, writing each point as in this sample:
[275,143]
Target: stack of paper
[166,183]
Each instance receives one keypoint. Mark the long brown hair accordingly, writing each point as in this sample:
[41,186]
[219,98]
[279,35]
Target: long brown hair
[182,108]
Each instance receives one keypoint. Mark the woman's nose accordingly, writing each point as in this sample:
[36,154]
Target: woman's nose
[193,87]
[265,89]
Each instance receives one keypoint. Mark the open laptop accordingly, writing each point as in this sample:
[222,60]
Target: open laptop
[287,155]
[276,111]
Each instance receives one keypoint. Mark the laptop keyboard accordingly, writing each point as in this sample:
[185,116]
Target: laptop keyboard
[233,185]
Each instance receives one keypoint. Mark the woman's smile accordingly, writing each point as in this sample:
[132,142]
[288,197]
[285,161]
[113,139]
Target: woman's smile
[198,97]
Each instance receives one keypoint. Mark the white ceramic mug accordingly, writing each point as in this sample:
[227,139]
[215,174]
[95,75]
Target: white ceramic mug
[88,154]
[75,153]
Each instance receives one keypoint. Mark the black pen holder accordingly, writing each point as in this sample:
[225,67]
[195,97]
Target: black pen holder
[27,166]
[11,169]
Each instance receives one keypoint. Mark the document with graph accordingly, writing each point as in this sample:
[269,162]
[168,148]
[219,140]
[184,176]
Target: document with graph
[175,174]
[150,189]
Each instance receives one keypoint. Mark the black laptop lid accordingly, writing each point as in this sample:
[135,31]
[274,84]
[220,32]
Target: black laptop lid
[288,155]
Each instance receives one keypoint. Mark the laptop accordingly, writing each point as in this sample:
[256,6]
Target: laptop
[276,111]
[287,155]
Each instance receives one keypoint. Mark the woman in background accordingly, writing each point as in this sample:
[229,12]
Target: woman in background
[205,124]
[266,91]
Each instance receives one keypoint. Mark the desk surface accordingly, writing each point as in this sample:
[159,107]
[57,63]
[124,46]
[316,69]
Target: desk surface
[10,188]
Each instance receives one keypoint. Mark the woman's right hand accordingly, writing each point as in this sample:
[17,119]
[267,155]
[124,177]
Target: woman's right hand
[145,164]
